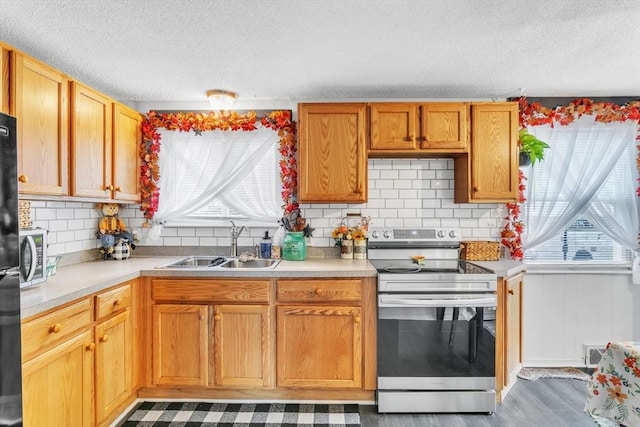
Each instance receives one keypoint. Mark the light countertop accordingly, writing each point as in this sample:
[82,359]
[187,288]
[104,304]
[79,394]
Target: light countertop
[79,280]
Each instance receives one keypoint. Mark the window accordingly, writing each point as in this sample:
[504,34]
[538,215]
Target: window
[219,175]
[581,199]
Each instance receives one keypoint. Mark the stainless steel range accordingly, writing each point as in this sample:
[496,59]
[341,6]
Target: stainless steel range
[436,324]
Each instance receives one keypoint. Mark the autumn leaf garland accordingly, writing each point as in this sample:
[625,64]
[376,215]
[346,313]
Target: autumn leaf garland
[280,121]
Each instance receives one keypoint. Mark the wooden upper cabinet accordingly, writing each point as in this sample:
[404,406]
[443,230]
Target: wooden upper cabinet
[40,102]
[489,173]
[394,126]
[5,79]
[127,135]
[332,153]
[443,125]
[90,142]
[411,129]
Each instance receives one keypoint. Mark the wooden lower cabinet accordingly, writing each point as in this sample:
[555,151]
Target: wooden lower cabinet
[241,350]
[180,344]
[114,364]
[57,385]
[78,368]
[508,333]
[261,338]
[319,346]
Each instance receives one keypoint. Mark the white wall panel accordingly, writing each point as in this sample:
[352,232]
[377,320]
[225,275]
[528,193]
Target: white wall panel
[564,311]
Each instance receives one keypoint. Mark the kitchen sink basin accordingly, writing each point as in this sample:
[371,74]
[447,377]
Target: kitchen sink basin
[196,262]
[215,262]
[264,263]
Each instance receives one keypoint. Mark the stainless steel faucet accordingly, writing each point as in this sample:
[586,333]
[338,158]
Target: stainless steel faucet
[235,232]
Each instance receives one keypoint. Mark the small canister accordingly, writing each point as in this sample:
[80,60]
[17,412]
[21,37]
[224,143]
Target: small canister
[294,247]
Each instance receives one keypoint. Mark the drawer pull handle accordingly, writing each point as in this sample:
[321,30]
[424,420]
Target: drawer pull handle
[318,291]
[356,319]
[217,317]
[91,346]
[23,179]
[104,338]
[55,328]
[510,291]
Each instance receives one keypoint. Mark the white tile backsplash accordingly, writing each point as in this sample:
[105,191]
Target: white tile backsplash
[402,193]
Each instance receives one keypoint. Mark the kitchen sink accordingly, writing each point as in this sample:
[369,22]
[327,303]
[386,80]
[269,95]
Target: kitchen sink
[196,262]
[265,263]
[214,262]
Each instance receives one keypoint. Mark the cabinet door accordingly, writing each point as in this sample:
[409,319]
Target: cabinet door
[127,135]
[40,102]
[4,79]
[114,364]
[332,153]
[90,143]
[319,346]
[513,328]
[443,126]
[241,348]
[57,385]
[494,162]
[180,344]
[394,126]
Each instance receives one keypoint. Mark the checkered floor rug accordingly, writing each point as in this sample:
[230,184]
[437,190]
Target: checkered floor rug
[201,414]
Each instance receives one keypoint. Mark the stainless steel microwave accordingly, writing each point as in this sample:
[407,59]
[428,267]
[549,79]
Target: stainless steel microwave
[33,256]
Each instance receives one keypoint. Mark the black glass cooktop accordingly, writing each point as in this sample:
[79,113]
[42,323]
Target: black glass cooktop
[428,266]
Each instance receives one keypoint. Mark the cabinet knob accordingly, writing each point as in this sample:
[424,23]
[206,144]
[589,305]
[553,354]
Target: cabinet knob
[356,319]
[23,179]
[217,317]
[318,291]
[109,187]
[91,346]
[510,292]
[55,328]
[117,302]
[407,138]
[476,189]
[118,188]
[104,338]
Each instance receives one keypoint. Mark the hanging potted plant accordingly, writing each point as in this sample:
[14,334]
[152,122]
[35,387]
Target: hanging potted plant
[531,148]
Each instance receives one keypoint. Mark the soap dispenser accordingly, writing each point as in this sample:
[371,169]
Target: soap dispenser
[265,246]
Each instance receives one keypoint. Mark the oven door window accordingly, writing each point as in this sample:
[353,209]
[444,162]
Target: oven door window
[438,341]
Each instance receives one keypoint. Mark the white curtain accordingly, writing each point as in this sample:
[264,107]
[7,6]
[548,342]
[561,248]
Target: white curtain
[196,170]
[568,182]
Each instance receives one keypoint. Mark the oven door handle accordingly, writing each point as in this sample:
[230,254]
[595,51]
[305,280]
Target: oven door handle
[442,302]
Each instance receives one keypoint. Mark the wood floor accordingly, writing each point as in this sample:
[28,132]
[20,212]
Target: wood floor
[545,402]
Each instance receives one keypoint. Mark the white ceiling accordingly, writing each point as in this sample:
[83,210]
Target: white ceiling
[284,51]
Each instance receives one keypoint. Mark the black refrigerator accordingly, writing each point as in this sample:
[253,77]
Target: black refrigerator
[10,362]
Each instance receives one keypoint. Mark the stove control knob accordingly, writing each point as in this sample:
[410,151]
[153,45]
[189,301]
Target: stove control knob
[453,233]
[375,234]
[386,234]
[442,233]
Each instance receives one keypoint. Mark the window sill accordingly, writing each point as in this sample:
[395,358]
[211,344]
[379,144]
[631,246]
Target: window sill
[581,268]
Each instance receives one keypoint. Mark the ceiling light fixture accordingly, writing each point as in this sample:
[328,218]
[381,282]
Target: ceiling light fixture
[220,99]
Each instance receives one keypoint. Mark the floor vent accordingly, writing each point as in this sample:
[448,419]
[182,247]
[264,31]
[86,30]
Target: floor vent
[593,354]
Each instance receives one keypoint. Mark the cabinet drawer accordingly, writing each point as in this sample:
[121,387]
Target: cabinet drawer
[55,326]
[112,301]
[349,290]
[207,290]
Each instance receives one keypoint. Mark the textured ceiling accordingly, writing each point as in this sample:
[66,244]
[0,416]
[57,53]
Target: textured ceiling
[294,50]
